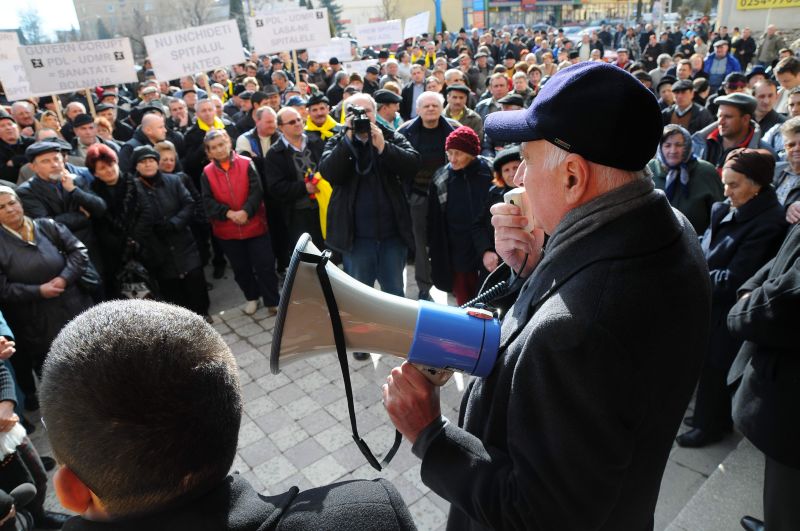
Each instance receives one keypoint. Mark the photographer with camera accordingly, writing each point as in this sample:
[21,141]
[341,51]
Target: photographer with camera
[370,168]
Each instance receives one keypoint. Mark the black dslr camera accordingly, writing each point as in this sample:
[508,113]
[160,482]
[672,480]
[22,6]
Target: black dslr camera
[361,123]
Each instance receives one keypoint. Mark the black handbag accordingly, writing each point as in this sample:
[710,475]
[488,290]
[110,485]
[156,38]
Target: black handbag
[90,281]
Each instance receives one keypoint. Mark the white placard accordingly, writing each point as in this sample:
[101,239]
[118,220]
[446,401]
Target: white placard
[359,67]
[192,50]
[12,75]
[387,32]
[289,30]
[337,47]
[417,25]
[71,66]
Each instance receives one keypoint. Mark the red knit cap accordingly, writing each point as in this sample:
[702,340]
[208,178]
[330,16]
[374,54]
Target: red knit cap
[464,139]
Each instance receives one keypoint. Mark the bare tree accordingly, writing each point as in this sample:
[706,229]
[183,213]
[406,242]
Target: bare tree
[388,9]
[189,13]
[30,24]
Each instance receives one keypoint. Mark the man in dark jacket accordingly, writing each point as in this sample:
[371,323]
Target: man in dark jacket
[56,193]
[368,216]
[152,131]
[290,166]
[586,395]
[155,357]
[427,134]
[685,112]
[12,148]
[766,404]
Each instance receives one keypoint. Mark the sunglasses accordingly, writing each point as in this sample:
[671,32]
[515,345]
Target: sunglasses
[292,122]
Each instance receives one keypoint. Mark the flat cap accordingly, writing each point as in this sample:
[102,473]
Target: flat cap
[372,69]
[100,107]
[5,116]
[82,119]
[682,85]
[720,42]
[509,154]
[630,116]
[481,54]
[757,70]
[246,95]
[271,90]
[144,152]
[665,80]
[458,88]
[744,102]
[275,60]
[39,148]
[333,61]
[512,98]
[316,98]
[386,96]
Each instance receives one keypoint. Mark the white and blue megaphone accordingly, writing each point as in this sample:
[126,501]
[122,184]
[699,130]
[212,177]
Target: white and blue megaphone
[438,339]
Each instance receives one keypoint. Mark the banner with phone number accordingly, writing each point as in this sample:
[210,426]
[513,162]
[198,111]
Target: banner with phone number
[765,4]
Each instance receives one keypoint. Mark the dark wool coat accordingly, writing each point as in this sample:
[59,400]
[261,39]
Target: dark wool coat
[767,404]
[735,249]
[573,427]
[234,505]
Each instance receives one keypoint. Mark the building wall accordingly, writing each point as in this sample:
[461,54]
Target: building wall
[357,12]
[786,19]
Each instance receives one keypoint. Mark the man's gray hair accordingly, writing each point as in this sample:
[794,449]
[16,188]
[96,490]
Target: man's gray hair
[362,97]
[199,103]
[790,126]
[430,94]
[664,58]
[340,75]
[608,177]
[280,73]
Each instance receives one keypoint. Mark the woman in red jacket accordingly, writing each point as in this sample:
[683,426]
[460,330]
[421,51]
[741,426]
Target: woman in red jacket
[232,197]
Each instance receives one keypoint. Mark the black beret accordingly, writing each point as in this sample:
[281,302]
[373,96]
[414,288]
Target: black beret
[333,61]
[5,116]
[573,54]
[386,96]
[630,116]
[275,60]
[39,148]
[509,154]
[238,88]
[509,55]
[271,90]
[458,88]
[100,107]
[735,77]
[758,70]
[144,152]
[512,98]
[319,97]
[665,80]
[372,69]
[744,102]
[383,54]
[81,120]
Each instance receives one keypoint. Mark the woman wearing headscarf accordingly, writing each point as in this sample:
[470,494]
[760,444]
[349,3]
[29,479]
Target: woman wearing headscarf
[691,185]
[41,262]
[745,232]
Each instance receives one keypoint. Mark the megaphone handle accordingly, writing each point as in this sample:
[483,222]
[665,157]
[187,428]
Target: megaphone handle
[341,351]
[434,375]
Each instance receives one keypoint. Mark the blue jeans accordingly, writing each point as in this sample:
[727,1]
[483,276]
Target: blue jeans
[381,260]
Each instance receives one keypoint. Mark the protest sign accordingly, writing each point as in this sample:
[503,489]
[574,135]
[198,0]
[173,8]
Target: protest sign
[12,75]
[188,51]
[379,33]
[337,47]
[417,25]
[359,67]
[70,66]
[289,30]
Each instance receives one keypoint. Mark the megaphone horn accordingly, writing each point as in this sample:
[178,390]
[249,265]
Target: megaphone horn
[434,336]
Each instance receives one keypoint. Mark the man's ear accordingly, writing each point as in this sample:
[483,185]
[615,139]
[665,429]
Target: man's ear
[576,179]
[71,491]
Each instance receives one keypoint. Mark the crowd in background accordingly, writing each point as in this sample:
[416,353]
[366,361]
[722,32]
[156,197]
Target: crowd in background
[133,193]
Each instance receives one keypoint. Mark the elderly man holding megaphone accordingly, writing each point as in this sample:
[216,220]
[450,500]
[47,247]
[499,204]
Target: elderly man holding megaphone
[600,353]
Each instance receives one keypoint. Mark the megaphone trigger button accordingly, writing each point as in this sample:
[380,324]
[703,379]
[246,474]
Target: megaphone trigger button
[480,314]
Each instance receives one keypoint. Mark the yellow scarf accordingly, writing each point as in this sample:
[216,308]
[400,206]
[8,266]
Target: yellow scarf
[217,124]
[326,131]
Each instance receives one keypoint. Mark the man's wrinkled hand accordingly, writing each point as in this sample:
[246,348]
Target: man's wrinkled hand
[520,249]
[411,401]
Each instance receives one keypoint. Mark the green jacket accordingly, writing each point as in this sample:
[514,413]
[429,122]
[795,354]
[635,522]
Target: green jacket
[705,188]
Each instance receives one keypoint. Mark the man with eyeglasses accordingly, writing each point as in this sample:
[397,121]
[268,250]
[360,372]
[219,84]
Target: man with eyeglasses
[290,167]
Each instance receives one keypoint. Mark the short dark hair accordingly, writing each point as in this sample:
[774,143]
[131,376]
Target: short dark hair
[141,401]
[788,65]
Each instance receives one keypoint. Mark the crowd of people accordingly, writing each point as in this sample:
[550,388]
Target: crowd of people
[134,193]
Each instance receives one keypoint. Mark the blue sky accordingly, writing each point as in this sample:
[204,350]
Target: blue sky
[55,14]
